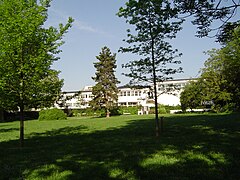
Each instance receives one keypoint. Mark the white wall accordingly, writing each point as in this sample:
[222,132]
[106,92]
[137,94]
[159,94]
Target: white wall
[140,98]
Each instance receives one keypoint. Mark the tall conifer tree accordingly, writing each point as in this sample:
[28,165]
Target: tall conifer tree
[105,91]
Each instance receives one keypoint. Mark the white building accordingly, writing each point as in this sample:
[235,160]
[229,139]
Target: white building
[85,96]
[168,94]
[75,99]
[169,91]
[68,100]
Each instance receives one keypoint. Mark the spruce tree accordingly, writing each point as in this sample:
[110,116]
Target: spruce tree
[105,90]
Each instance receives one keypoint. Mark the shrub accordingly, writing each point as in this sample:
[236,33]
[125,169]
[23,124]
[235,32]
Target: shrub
[52,114]
[162,110]
[87,112]
[76,112]
[131,109]
[168,108]
[115,111]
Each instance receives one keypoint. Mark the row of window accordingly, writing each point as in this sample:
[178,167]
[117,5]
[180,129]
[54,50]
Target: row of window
[86,104]
[128,104]
[161,87]
[122,93]
[73,104]
[86,96]
[130,93]
[164,87]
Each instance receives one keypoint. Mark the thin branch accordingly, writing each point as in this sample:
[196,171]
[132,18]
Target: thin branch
[218,4]
[223,8]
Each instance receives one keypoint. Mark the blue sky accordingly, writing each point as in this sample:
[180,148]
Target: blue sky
[96,25]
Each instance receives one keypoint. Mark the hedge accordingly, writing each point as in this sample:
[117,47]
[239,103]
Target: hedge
[52,114]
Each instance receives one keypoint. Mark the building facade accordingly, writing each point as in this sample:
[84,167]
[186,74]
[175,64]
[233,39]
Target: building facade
[168,93]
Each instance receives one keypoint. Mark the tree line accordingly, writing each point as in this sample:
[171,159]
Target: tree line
[218,84]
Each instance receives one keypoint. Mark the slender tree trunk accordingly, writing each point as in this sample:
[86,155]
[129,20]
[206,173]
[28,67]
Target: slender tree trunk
[156,105]
[21,125]
[22,110]
[155,89]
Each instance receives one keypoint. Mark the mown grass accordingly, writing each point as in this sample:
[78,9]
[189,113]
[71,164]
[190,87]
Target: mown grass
[124,147]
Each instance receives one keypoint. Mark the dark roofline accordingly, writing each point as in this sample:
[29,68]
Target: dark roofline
[183,79]
[133,86]
[64,92]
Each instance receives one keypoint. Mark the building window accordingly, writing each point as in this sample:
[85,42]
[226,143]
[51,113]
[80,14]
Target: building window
[83,95]
[132,93]
[132,103]
[136,93]
[123,104]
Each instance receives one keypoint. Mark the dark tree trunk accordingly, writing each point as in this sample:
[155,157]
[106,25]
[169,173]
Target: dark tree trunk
[22,125]
[1,115]
[155,88]
[156,107]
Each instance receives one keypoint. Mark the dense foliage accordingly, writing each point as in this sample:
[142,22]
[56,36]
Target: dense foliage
[191,96]
[52,114]
[105,90]
[27,52]
[219,81]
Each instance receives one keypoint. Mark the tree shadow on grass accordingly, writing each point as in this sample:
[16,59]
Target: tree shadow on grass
[8,130]
[191,147]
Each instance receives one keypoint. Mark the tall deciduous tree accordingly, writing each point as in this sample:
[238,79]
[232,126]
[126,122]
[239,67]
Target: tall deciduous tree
[222,71]
[155,22]
[219,81]
[231,71]
[27,51]
[105,91]
[213,79]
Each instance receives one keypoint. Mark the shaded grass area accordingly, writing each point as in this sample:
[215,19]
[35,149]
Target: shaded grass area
[191,147]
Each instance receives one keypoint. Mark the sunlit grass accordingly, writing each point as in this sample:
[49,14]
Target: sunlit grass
[123,147]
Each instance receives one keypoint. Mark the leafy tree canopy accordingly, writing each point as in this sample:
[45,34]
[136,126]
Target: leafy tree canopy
[153,22]
[27,52]
[219,81]
[191,96]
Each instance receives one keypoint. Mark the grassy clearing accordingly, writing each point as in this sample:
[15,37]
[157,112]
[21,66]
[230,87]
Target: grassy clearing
[124,147]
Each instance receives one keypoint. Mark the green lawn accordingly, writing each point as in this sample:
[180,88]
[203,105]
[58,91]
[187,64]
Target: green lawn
[124,147]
